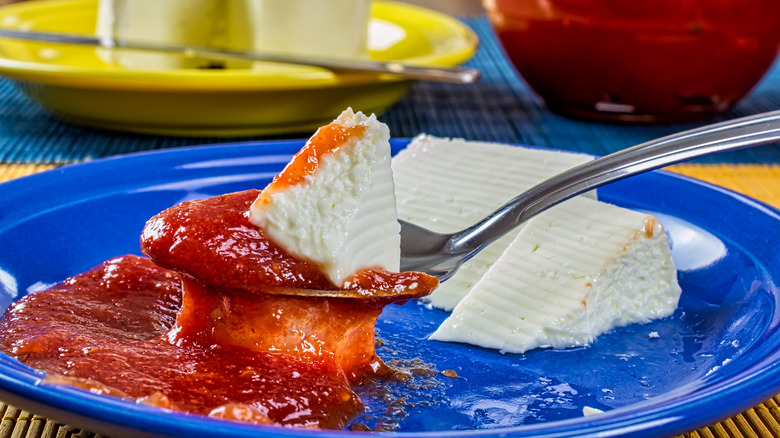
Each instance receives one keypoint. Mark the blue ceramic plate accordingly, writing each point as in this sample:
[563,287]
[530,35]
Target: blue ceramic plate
[717,355]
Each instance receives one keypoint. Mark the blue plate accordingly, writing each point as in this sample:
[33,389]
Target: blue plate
[717,355]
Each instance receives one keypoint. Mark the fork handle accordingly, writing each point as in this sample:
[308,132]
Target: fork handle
[756,130]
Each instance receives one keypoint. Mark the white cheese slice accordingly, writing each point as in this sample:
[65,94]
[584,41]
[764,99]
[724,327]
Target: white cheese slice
[574,272]
[446,185]
[343,216]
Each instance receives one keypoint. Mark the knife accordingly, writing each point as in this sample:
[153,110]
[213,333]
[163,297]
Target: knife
[425,73]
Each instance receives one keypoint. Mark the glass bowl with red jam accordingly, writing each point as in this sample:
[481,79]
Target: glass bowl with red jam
[639,60]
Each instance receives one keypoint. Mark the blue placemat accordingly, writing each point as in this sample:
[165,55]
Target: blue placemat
[498,108]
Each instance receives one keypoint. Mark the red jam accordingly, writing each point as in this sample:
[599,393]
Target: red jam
[200,329]
[111,325]
[213,241]
[220,320]
[336,333]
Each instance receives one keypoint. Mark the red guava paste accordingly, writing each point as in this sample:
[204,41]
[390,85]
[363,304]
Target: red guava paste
[199,327]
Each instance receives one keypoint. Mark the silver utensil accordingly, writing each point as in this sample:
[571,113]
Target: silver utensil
[425,73]
[441,255]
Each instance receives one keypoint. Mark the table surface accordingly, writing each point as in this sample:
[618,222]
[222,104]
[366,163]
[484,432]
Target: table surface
[498,108]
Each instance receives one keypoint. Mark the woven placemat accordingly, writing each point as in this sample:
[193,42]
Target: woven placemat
[11,171]
[18,423]
[759,181]
[500,107]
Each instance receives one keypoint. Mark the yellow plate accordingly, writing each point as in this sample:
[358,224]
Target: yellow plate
[75,84]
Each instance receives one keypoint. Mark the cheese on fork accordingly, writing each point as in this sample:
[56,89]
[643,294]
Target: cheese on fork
[446,185]
[574,272]
[334,204]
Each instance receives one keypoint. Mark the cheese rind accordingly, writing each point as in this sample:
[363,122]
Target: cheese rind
[572,274]
[341,217]
[446,185]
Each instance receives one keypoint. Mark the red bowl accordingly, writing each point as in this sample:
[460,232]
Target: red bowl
[639,60]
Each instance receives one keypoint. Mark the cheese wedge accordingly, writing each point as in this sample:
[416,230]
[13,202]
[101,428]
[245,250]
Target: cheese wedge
[446,185]
[573,273]
[334,204]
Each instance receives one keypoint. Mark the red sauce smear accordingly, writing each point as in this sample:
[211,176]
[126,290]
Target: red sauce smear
[213,241]
[192,329]
[111,325]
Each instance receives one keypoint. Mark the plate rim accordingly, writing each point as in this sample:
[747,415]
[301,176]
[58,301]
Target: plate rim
[728,393]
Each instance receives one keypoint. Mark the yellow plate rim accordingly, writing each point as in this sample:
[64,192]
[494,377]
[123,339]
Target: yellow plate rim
[177,80]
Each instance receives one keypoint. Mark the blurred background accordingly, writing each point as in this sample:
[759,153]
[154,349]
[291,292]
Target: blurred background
[454,7]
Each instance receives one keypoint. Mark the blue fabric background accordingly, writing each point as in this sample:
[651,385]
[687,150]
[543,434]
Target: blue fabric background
[498,108]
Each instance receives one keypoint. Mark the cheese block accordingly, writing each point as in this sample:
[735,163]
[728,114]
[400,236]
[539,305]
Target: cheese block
[331,29]
[574,272]
[334,204]
[177,22]
[446,185]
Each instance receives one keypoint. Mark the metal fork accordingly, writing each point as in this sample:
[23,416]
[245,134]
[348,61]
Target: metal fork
[441,255]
